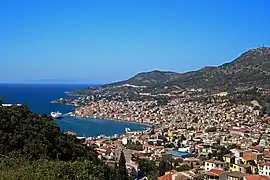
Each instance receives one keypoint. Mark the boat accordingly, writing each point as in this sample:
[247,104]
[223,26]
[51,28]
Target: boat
[71,114]
[56,115]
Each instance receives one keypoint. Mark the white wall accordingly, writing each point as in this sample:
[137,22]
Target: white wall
[264,170]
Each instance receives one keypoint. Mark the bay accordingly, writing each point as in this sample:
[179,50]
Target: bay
[38,97]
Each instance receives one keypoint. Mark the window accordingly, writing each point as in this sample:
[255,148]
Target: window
[212,165]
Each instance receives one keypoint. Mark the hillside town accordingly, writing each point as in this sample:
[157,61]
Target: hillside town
[196,136]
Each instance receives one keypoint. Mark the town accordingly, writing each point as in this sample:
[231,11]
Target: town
[193,136]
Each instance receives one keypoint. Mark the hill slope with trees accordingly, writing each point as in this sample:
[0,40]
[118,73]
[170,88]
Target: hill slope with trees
[252,68]
[33,147]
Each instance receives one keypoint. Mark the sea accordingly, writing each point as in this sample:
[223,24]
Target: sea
[38,98]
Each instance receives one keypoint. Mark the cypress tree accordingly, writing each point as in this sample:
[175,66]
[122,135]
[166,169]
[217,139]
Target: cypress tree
[122,171]
[162,168]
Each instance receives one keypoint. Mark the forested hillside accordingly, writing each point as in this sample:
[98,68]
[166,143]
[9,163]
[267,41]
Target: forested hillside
[33,147]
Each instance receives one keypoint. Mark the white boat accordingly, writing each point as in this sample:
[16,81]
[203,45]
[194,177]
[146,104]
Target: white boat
[56,115]
[71,114]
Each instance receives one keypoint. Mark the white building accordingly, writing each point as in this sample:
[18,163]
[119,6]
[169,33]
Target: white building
[213,164]
[187,149]
[264,169]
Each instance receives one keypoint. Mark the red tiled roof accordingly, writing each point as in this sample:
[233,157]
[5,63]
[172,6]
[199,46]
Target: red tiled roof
[255,147]
[240,150]
[153,146]
[264,163]
[247,158]
[257,177]
[168,175]
[217,172]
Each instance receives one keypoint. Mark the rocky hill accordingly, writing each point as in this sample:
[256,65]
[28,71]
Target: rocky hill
[250,69]
[152,78]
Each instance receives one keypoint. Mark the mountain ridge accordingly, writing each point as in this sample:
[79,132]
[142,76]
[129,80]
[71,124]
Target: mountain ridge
[249,69]
[246,68]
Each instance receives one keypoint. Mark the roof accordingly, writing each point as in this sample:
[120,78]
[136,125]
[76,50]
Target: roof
[258,148]
[153,146]
[191,159]
[265,164]
[214,161]
[240,150]
[168,175]
[215,172]
[256,177]
[178,153]
[247,158]
[228,155]
[236,174]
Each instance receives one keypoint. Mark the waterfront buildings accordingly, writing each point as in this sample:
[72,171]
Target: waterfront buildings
[213,136]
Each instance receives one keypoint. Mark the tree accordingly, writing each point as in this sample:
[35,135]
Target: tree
[33,148]
[184,168]
[211,129]
[147,168]
[152,131]
[164,166]
[122,171]
[1,101]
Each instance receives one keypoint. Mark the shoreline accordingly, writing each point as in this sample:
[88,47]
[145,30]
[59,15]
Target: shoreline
[114,119]
[143,127]
[98,118]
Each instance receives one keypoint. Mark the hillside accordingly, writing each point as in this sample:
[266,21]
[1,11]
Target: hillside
[33,147]
[152,78]
[252,68]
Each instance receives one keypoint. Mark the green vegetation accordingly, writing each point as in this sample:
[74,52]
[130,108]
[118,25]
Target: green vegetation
[164,166]
[251,69]
[121,170]
[33,147]
[134,146]
[23,168]
[184,168]
[147,168]
[211,129]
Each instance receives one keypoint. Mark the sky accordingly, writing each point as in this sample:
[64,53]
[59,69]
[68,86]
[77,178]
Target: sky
[99,41]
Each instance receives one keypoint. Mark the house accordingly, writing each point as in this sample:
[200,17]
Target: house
[237,175]
[187,149]
[229,158]
[238,153]
[264,169]
[266,154]
[216,174]
[168,175]
[256,177]
[244,168]
[213,164]
[148,148]
[185,175]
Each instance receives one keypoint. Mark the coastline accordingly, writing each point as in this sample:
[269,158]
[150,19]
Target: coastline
[115,119]
[96,117]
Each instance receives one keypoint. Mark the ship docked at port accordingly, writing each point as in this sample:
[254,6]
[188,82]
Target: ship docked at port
[56,115]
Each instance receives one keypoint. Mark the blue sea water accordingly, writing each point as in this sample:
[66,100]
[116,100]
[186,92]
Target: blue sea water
[38,97]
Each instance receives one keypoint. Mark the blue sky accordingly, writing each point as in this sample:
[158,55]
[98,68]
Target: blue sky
[98,41]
